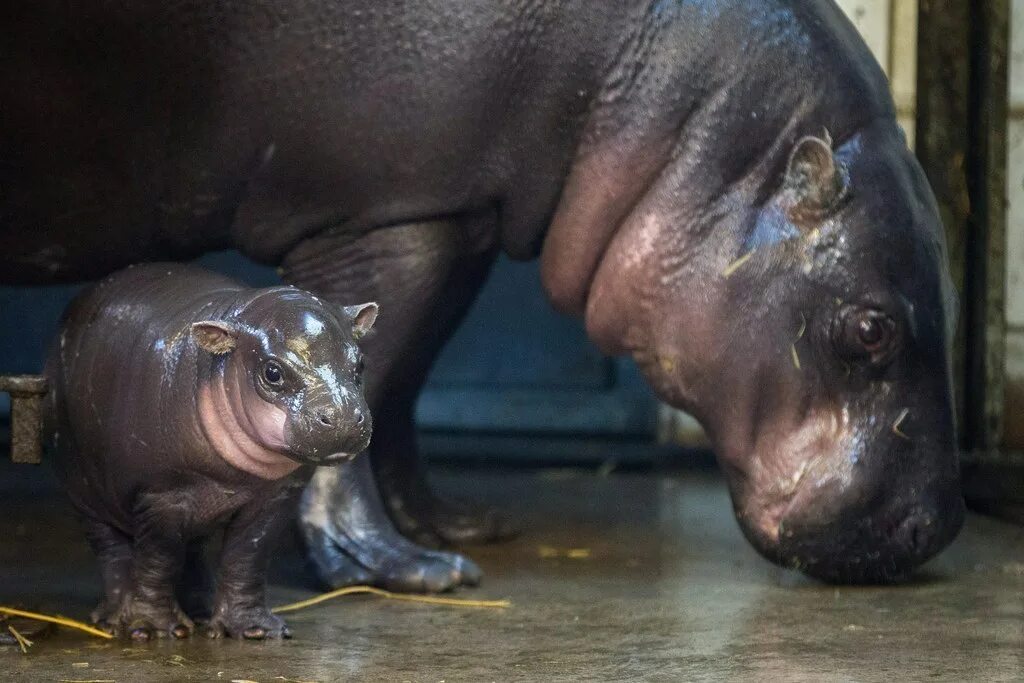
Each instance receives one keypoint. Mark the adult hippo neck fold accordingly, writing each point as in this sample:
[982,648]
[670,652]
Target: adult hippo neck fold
[728,196]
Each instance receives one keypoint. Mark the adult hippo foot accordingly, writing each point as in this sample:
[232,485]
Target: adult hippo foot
[431,520]
[350,539]
[246,621]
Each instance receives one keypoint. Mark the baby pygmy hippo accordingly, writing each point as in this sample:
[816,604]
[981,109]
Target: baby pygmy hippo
[184,403]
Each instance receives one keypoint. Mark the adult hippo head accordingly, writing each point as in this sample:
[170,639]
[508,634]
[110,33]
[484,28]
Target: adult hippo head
[813,344]
[775,262]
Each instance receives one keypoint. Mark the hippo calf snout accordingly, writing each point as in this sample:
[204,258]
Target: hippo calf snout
[332,433]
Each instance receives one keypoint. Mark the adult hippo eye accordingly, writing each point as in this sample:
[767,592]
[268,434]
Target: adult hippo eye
[273,374]
[865,334]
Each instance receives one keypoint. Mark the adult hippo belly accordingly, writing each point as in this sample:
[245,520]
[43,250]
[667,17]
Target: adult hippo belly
[720,188]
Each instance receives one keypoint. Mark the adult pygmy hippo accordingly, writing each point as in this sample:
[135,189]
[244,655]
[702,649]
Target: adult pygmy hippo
[182,403]
[718,186]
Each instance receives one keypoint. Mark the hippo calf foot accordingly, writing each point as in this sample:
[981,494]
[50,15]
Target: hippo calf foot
[142,621]
[436,521]
[249,623]
[105,617]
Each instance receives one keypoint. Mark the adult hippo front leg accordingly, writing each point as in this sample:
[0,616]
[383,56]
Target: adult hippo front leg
[423,276]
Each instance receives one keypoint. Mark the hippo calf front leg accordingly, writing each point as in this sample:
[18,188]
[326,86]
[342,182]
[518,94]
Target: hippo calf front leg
[150,608]
[240,607]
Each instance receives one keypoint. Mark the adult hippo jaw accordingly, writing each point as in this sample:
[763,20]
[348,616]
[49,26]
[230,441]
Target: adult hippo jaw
[813,343]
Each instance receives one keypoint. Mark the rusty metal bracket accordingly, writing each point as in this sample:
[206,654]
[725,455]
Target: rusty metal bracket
[27,392]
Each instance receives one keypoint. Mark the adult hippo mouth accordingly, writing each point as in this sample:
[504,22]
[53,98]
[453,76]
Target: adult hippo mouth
[849,515]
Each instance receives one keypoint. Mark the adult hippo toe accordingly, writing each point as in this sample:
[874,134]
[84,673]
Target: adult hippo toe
[718,186]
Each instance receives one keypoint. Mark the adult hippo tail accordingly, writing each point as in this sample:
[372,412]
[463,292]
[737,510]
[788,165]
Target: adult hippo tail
[720,187]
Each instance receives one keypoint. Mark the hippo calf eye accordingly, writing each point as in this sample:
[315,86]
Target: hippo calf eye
[865,334]
[870,331]
[273,374]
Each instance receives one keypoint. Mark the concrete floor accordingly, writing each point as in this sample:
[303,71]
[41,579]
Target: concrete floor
[662,588]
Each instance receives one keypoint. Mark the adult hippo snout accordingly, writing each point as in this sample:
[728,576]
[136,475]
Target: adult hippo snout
[862,501]
[865,546]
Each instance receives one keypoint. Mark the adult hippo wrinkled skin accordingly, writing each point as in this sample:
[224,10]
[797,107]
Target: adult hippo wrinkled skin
[719,187]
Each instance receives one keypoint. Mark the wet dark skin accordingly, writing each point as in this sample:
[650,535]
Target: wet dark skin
[719,187]
[182,404]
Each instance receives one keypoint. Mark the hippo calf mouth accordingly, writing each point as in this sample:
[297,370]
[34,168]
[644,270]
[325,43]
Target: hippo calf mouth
[335,458]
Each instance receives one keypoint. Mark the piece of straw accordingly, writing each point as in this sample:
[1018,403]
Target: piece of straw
[737,264]
[899,423]
[370,590]
[799,336]
[60,621]
[23,642]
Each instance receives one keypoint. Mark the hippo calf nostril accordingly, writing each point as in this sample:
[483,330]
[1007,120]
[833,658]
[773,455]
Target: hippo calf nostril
[360,418]
[324,419]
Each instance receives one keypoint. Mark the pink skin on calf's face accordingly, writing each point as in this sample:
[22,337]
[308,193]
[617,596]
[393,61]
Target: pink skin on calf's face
[234,443]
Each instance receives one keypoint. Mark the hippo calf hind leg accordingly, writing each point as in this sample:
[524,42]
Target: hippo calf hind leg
[406,269]
[114,553]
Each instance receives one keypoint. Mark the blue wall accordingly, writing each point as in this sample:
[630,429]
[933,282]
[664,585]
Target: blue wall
[514,365]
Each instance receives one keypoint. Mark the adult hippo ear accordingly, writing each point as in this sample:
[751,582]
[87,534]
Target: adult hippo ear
[363,317]
[216,337]
[815,182]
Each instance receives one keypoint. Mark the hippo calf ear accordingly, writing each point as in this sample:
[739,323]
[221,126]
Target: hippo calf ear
[363,316]
[215,337]
[814,181]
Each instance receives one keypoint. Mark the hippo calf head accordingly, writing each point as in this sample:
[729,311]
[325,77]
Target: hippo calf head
[813,343]
[284,383]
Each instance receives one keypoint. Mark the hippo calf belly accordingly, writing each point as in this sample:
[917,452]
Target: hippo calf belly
[184,402]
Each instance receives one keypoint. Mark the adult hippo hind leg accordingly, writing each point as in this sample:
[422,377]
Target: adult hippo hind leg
[424,276]
[415,509]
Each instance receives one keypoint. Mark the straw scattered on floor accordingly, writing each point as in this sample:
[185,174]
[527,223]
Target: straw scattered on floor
[370,590]
[60,621]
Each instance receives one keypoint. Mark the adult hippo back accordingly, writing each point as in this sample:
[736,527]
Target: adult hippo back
[719,187]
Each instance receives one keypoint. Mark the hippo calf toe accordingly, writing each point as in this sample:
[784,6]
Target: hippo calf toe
[184,403]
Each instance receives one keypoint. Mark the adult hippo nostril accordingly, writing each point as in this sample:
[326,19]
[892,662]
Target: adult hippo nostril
[324,418]
[917,532]
[360,418]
